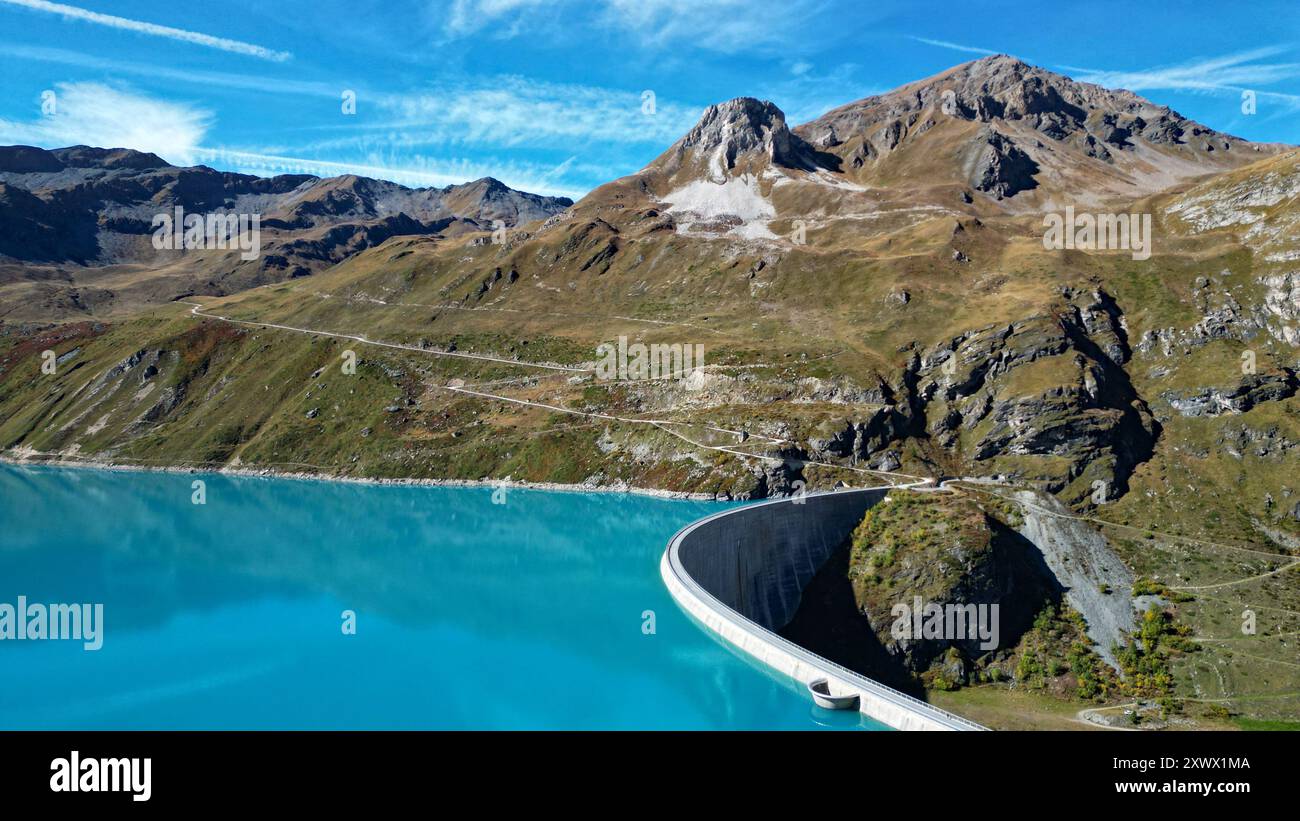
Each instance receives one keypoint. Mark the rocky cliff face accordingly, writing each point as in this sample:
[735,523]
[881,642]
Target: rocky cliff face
[1001,169]
[939,551]
[1049,385]
[1046,398]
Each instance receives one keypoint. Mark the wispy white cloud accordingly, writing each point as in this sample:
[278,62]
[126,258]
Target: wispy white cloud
[196,38]
[108,117]
[953,46]
[728,26]
[1226,75]
[1229,71]
[502,110]
[468,16]
[615,132]
[204,79]
[511,111]
[473,114]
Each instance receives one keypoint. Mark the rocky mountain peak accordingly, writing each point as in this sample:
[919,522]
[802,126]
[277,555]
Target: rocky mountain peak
[743,132]
[488,185]
[1001,87]
[740,125]
[997,69]
[1006,120]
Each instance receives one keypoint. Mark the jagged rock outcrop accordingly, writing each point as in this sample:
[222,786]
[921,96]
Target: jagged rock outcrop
[740,135]
[1268,443]
[860,439]
[1048,385]
[1243,396]
[1002,169]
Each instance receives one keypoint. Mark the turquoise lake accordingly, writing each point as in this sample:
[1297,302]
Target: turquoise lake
[469,614]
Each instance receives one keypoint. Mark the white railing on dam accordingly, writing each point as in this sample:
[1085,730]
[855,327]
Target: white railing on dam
[741,573]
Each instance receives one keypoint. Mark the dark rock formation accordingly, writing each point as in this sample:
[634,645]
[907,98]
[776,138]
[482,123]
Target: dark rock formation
[1002,169]
[1077,403]
[1243,396]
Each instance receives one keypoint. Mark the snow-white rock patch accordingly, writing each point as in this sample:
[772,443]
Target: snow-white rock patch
[736,198]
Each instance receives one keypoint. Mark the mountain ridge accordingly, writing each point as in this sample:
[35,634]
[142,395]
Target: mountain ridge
[84,216]
[989,138]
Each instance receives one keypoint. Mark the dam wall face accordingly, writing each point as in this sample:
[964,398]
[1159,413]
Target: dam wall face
[741,574]
[757,560]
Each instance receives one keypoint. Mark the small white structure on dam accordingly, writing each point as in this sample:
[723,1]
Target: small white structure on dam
[741,574]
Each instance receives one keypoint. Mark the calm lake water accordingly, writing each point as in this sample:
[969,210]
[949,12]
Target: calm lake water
[469,614]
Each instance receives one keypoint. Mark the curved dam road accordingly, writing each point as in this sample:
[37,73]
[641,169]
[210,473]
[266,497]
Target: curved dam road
[741,574]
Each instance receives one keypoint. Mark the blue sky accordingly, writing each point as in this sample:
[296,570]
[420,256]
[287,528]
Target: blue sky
[547,95]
